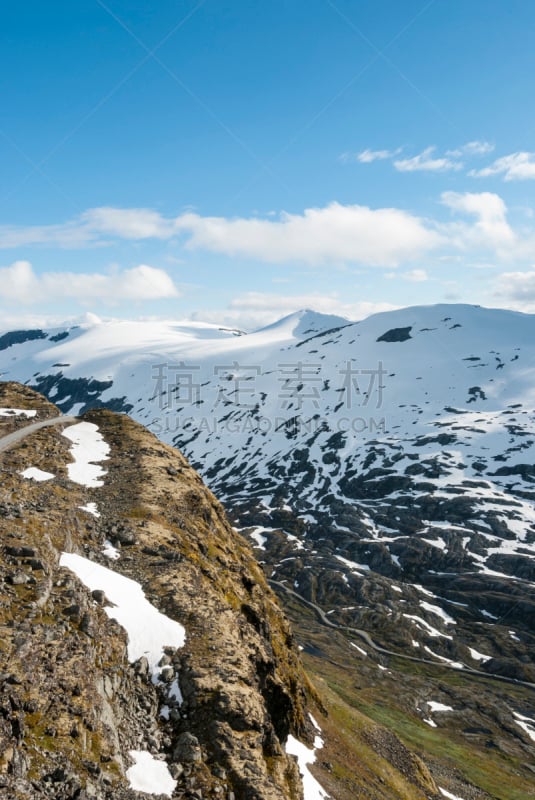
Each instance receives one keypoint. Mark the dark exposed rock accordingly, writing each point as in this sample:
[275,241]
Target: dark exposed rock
[19,337]
[396,335]
[58,337]
[187,748]
[83,391]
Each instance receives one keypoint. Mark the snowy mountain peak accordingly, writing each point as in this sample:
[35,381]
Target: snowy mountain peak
[306,322]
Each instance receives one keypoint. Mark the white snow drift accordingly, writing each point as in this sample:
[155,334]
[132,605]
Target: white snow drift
[149,631]
[88,448]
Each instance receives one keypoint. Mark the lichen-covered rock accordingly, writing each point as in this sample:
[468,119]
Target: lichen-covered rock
[72,705]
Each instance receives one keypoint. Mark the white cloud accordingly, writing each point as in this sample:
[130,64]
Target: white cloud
[424,162]
[69,235]
[476,148]
[415,275]
[517,289]
[22,319]
[252,310]
[412,275]
[93,226]
[452,297]
[144,283]
[514,167]
[491,226]
[10,321]
[367,156]
[20,284]
[128,223]
[334,234]
[96,226]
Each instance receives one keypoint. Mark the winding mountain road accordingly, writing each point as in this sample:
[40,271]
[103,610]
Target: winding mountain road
[384,651]
[13,439]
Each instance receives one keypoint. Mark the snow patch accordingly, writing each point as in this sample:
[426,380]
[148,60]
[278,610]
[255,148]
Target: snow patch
[353,564]
[149,631]
[175,693]
[455,664]
[422,623]
[149,775]
[438,542]
[75,409]
[526,723]
[439,612]
[434,706]
[17,412]
[110,551]
[88,447]
[312,790]
[258,538]
[478,656]
[91,508]
[35,474]
[449,795]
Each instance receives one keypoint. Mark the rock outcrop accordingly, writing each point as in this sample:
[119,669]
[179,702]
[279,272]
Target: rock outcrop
[72,705]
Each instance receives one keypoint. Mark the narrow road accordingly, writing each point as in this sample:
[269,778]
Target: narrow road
[13,439]
[384,651]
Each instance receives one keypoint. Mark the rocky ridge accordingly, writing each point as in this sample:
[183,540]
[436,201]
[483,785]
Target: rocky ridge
[75,709]
[72,705]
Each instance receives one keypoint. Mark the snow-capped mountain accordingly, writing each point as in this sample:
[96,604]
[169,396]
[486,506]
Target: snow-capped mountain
[384,471]
[400,447]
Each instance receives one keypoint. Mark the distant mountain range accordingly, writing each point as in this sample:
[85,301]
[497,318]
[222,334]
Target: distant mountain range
[409,437]
[384,470]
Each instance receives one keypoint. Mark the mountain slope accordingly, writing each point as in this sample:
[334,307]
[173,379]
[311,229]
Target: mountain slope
[141,650]
[430,402]
[222,695]
[384,469]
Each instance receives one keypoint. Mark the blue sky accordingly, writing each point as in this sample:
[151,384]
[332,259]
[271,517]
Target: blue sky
[234,161]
